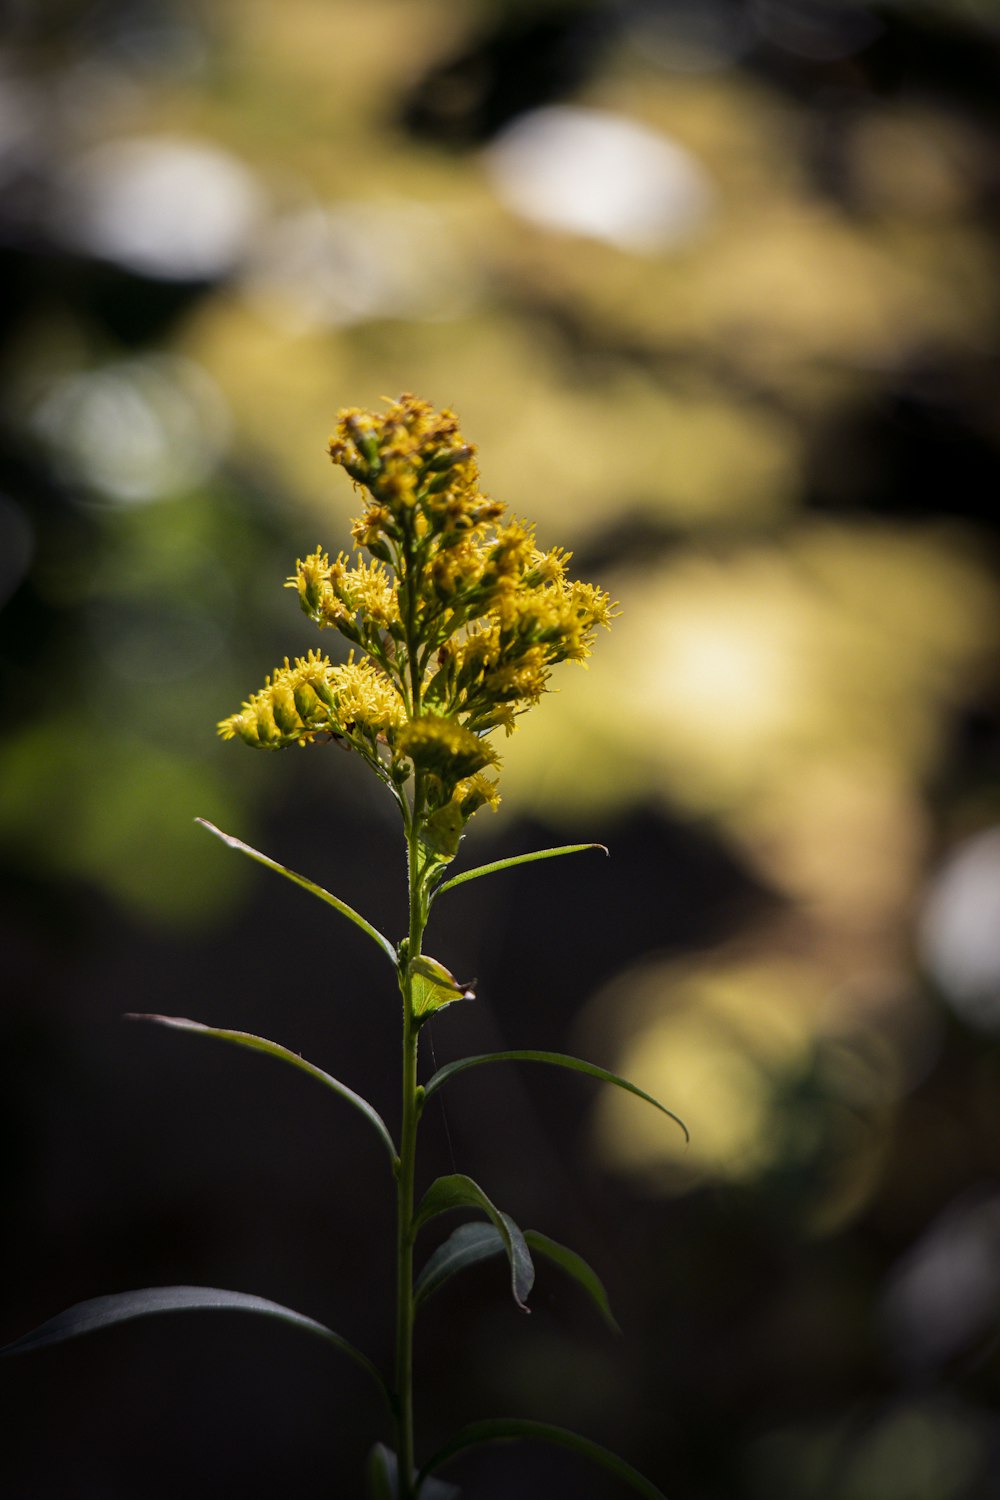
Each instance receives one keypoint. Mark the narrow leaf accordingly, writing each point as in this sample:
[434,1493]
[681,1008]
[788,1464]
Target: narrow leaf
[515,859]
[122,1307]
[574,1265]
[274,1049]
[559,1060]
[471,1243]
[307,885]
[459,1191]
[433,986]
[507,1429]
[465,1246]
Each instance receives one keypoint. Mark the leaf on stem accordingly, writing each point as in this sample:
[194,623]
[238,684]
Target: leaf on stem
[381,1474]
[274,1049]
[383,1479]
[516,859]
[557,1059]
[575,1266]
[459,1191]
[433,987]
[471,1243]
[465,1246]
[508,1429]
[308,885]
[122,1307]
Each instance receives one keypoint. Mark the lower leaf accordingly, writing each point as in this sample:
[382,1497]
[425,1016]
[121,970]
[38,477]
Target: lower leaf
[122,1307]
[383,1479]
[513,1429]
[380,1472]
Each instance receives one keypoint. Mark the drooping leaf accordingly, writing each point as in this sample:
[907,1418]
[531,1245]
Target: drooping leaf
[575,1266]
[459,1191]
[471,1243]
[513,1429]
[383,1479]
[433,986]
[122,1307]
[274,1049]
[465,1246]
[515,859]
[308,885]
[557,1059]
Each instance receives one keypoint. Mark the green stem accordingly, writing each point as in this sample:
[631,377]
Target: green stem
[407,1166]
[407,1482]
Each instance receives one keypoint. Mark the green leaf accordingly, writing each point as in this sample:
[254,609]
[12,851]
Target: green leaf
[574,1265]
[465,1246]
[508,1429]
[274,1049]
[459,1191]
[559,1060]
[433,986]
[122,1307]
[516,859]
[383,1479]
[307,885]
[442,831]
[471,1243]
[381,1474]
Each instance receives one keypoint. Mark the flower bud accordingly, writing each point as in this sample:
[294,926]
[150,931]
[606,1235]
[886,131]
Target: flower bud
[286,715]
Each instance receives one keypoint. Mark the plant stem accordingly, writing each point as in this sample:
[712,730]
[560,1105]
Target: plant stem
[407,1164]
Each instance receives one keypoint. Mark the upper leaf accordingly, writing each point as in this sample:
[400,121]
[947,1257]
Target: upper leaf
[433,986]
[274,1049]
[515,859]
[557,1059]
[307,885]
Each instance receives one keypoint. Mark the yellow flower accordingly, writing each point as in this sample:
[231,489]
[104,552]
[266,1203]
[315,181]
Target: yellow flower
[458,614]
[363,695]
[443,747]
[334,593]
[313,697]
[419,470]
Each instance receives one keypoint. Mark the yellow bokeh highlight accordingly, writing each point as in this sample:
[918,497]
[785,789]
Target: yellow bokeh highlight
[794,694]
[759,1055]
[712,1042]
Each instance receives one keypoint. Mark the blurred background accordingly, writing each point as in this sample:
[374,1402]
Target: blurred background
[712,283]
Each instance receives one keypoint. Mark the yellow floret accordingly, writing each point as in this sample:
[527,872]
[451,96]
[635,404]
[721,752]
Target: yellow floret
[444,747]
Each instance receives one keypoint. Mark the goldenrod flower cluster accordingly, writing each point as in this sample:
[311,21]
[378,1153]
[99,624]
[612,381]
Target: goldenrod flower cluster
[311,697]
[460,617]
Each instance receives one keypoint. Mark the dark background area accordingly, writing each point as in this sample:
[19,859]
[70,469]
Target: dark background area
[753,384]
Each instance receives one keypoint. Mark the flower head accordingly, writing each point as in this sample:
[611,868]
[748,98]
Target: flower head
[459,616]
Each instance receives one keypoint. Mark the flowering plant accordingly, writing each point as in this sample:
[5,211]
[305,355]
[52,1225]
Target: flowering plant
[454,623]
